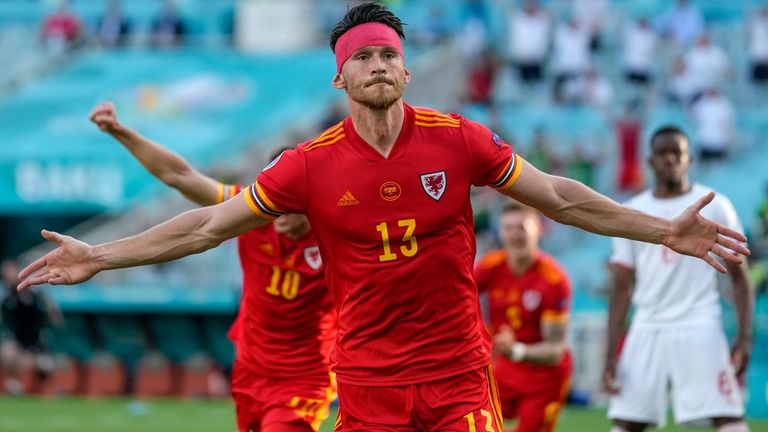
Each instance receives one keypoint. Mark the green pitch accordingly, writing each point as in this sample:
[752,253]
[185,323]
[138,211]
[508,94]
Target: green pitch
[122,415]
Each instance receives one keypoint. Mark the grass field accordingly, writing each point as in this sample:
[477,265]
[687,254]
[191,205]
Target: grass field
[123,415]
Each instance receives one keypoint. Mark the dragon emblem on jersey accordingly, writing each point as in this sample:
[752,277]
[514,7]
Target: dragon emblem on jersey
[531,300]
[312,257]
[434,184]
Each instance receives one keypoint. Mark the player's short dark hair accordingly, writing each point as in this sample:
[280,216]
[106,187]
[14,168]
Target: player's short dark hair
[516,206]
[667,130]
[368,12]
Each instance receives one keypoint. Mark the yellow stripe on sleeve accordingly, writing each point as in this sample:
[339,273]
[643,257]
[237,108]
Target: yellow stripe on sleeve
[515,174]
[557,317]
[219,193]
[255,208]
[265,199]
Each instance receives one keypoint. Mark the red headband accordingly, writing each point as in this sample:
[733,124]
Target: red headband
[363,35]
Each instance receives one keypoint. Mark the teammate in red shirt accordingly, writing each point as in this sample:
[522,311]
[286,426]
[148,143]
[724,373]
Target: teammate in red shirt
[286,324]
[529,296]
[387,193]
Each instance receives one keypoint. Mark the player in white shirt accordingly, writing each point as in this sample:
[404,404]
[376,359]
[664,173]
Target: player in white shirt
[675,341]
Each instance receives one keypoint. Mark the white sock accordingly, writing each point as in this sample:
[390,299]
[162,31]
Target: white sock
[739,426]
[620,429]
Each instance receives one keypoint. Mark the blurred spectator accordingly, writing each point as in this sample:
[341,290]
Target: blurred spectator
[434,31]
[682,23]
[580,165]
[61,30]
[571,55]
[715,122]
[112,28]
[707,65]
[529,30]
[681,85]
[540,153]
[592,14]
[474,35]
[168,28]
[640,44]
[25,317]
[336,113]
[757,37]
[629,130]
[591,89]
[481,78]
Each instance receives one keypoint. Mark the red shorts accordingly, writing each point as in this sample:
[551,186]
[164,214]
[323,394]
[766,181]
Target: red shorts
[462,403]
[264,403]
[533,394]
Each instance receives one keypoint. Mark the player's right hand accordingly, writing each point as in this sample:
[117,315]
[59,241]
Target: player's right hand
[610,385]
[70,263]
[105,117]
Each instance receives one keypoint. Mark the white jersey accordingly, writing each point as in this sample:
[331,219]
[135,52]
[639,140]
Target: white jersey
[673,289]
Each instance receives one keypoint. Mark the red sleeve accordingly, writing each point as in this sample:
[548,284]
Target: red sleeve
[481,278]
[491,160]
[227,191]
[557,301]
[281,187]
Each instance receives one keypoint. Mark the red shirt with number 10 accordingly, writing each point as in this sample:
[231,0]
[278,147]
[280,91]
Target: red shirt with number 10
[396,236]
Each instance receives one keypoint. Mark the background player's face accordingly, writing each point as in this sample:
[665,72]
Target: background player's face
[520,231]
[374,77]
[670,158]
[293,225]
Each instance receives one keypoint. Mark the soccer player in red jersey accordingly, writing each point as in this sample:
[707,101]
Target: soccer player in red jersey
[529,297]
[387,194]
[286,324]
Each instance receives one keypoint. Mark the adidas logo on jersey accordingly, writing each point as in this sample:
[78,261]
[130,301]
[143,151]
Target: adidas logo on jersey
[347,200]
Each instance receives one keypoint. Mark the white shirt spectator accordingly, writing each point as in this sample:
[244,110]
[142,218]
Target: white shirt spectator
[571,53]
[592,14]
[593,89]
[529,36]
[640,43]
[707,64]
[683,23]
[715,121]
[757,37]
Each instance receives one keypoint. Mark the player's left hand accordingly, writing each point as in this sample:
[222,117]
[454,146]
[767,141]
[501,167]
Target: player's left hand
[740,355]
[503,341]
[694,235]
[70,263]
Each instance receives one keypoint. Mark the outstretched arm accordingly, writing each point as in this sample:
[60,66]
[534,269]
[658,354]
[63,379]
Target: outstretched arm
[192,232]
[744,303]
[618,308]
[570,202]
[165,165]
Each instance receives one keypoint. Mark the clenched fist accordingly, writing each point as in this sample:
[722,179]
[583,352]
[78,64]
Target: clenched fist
[105,117]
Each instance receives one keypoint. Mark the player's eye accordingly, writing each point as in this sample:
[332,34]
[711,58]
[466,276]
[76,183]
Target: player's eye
[362,57]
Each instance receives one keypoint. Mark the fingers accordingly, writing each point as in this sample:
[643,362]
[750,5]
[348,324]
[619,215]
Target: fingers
[32,268]
[36,280]
[732,247]
[725,254]
[703,201]
[53,236]
[734,235]
[713,263]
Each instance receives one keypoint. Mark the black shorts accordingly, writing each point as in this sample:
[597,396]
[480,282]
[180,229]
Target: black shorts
[712,154]
[760,72]
[529,72]
[635,77]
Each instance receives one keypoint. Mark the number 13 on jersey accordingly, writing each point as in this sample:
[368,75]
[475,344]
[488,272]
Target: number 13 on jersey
[408,248]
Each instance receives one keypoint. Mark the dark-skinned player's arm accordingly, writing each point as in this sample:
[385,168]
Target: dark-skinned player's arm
[165,165]
[570,202]
[744,303]
[192,232]
[622,284]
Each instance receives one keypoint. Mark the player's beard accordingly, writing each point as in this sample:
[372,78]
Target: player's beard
[380,97]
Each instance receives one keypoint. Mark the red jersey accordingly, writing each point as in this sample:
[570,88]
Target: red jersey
[397,237]
[286,324]
[523,302]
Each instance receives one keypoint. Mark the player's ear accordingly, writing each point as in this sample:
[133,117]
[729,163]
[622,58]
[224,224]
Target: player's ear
[339,82]
[407,76]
